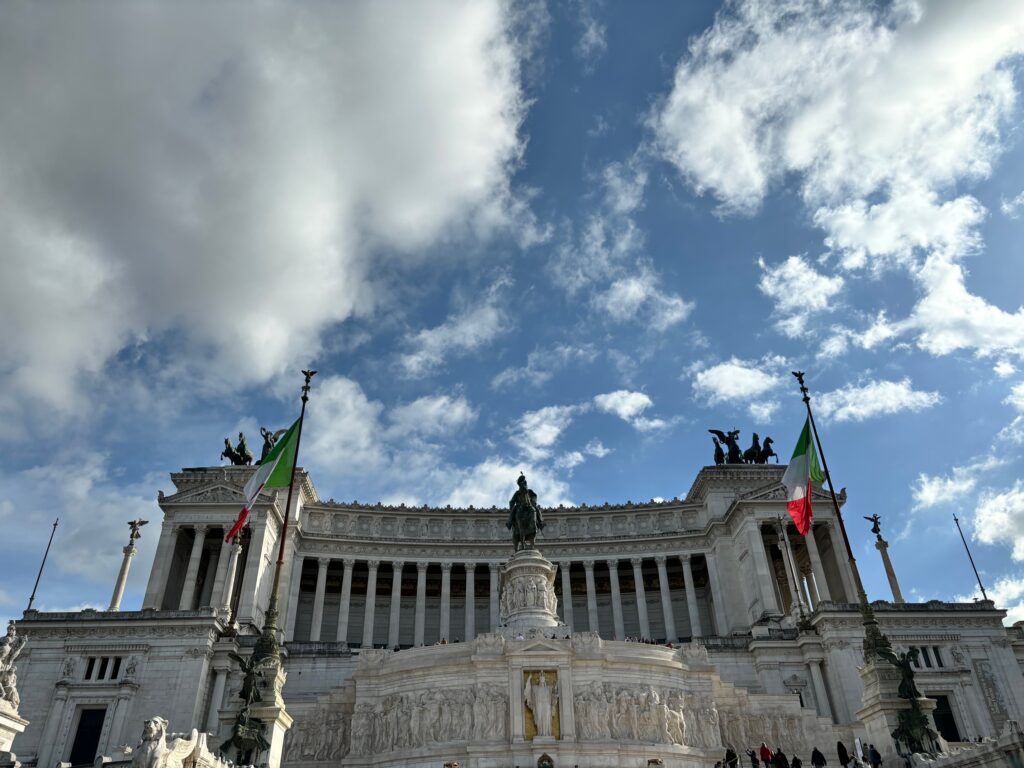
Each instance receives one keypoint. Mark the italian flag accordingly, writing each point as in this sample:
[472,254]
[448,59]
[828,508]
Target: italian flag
[803,470]
[274,472]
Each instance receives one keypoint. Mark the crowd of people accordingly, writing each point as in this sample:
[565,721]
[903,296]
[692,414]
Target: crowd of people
[766,757]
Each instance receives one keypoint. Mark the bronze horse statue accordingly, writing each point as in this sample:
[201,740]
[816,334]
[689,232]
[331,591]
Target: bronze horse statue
[239,455]
[524,517]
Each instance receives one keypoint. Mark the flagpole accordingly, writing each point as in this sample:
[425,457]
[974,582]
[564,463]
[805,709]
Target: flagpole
[874,640]
[32,597]
[267,647]
[980,585]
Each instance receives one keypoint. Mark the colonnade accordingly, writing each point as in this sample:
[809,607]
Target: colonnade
[319,629]
[220,566]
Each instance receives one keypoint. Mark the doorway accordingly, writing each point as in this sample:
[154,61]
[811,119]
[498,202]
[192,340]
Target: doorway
[87,736]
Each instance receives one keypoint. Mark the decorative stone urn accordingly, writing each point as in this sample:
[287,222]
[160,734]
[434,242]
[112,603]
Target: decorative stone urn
[529,608]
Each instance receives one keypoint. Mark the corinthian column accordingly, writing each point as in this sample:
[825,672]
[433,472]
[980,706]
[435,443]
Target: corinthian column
[470,602]
[641,597]
[345,605]
[814,556]
[565,568]
[318,599]
[421,602]
[588,568]
[666,599]
[396,602]
[613,577]
[691,597]
[122,578]
[446,601]
[192,572]
[493,567]
[371,603]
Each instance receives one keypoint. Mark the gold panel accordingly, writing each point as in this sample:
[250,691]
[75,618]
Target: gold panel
[530,726]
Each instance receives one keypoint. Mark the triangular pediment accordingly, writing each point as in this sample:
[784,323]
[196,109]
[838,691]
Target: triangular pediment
[542,645]
[211,494]
[777,492]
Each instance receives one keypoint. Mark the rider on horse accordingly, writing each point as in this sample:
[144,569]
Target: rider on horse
[524,517]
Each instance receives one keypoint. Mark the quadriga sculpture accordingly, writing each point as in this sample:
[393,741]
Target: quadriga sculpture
[154,752]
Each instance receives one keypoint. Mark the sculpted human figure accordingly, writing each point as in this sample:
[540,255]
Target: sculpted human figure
[524,518]
[539,699]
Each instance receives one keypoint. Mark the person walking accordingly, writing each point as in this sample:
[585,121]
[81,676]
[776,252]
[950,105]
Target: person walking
[766,755]
[780,760]
[731,760]
[796,762]
[817,759]
[844,756]
[754,763]
[874,756]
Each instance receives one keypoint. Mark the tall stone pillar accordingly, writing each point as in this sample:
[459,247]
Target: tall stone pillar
[396,603]
[220,678]
[48,747]
[883,547]
[820,583]
[371,603]
[157,584]
[763,577]
[820,692]
[494,570]
[807,574]
[717,596]
[446,601]
[691,597]
[294,591]
[345,607]
[566,569]
[121,706]
[229,580]
[789,566]
[221,573]
[421,602]
[122,578]
[470,628]
[666,599]
[588,568]
[192,572]
[641,597]
[318,599]
[842,561]
[613,577]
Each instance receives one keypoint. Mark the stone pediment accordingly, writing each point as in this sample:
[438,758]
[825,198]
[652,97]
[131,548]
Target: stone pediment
[777,492]
[213,494]
[541,646]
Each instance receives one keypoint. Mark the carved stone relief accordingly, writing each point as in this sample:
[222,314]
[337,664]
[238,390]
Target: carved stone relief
[645,713]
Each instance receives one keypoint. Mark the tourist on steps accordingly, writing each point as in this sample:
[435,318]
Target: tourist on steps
[817,759]
[766,755]
[844,756]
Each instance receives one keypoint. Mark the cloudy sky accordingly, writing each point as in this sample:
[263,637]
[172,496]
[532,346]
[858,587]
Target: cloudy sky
[562,237]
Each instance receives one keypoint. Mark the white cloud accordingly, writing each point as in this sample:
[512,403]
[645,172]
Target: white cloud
[462,333]
[597,449]
[798,290]
[542,364]
[630,407]
[737,380]
[290,145]
[762,412]
[536,432]
[876,398]
[1011,208]
[345,432]
[879,111]
[1016,397]
[492,483]
[638,297]
[592,42]
[432,415]
[1006,592]
[999,518]
[1004,369]
[932,490]
[569,461]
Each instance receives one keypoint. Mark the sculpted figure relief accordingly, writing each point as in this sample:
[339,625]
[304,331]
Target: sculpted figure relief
[541,699]
[10,648]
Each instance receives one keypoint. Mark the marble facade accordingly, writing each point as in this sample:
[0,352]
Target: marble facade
[365,580]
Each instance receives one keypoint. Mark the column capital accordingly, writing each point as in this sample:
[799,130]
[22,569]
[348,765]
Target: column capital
[323,562]
[236,544]
[588,565]
[446,567]
[636,561]
[397,565]
[613,566]
[349,562]
[470,567]
[494,567]
[130,551]
[686,557]
[201,528]
[661,560]
[373,565]
[422,567]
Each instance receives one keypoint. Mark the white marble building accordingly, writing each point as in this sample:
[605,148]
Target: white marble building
[362,578]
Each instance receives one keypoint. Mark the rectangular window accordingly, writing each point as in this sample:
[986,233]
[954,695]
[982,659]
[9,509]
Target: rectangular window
[938,656]
[926,656]
[104,661]
[89,667]
[115,672]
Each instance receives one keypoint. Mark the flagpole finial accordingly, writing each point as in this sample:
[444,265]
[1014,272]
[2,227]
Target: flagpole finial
[309,374]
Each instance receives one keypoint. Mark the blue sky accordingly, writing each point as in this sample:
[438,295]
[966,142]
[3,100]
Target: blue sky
[565,238]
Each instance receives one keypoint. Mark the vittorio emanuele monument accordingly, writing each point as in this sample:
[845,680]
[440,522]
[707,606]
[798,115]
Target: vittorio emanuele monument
[673,633]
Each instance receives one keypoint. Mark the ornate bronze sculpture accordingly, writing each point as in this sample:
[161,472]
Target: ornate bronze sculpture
[524,517]
[269,440]
[751,455]
[731,442]
[875,526]
[757,453]
[719,453]
[240,455]
[767,452]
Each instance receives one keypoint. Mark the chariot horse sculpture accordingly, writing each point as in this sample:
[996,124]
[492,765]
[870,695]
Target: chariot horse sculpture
[524,517]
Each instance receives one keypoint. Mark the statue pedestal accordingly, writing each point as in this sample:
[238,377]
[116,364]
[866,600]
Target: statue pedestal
[882,708]
[529,607]
[271,712]
[10,726]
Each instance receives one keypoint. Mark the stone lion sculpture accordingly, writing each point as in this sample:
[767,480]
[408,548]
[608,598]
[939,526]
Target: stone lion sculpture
[154,752]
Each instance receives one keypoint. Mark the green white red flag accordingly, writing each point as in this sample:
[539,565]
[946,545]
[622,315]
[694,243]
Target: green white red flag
[802,472]
[275,471]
